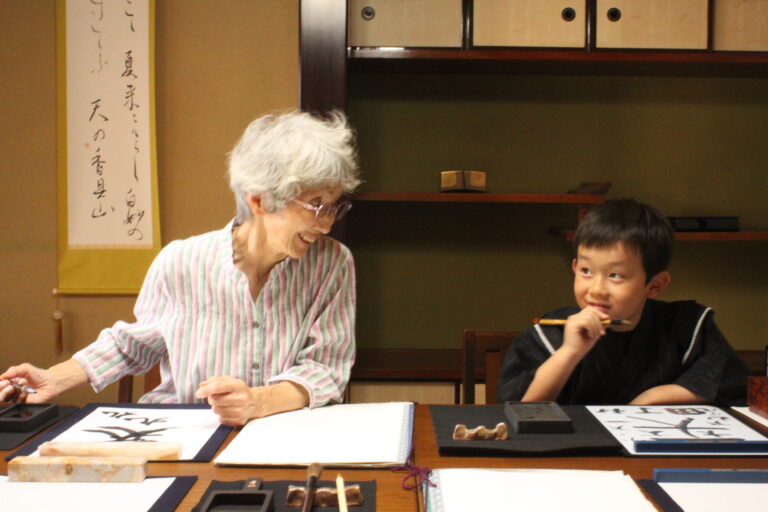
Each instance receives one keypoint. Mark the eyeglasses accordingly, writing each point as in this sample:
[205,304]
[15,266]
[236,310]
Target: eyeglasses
[327,210]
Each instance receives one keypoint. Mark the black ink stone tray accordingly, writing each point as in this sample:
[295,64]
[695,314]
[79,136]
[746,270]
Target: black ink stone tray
[25,417]
[537,418]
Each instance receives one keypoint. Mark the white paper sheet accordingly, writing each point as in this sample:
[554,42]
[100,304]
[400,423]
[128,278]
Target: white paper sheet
[462,490]
[348,434]
[717,497]
[82,496]
[109,125]
[190,427]
[630,423]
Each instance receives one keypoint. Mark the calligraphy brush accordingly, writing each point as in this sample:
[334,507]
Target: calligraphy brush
[341,493]
[313,473]
[20,392]
[558,321]
[23,388]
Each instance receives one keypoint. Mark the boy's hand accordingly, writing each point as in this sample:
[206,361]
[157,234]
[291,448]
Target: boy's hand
[582,331]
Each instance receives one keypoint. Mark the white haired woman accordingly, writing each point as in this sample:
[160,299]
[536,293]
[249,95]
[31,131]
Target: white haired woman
[256,318]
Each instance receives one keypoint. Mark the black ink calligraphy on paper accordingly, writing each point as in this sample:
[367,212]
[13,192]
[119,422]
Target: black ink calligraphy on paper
[129,434]
[96,27]
[132,416]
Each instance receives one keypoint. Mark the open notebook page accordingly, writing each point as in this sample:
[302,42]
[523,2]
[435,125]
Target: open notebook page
[376,434]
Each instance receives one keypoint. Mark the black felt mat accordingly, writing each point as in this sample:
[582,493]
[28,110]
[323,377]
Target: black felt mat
[280,488]
[588,437]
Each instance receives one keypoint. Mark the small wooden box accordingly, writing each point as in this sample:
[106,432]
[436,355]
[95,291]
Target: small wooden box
[405,23]
[663,24]
[740,25]
[532,23]
[462,181]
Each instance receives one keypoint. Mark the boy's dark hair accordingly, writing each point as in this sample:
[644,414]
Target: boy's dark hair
[640,226]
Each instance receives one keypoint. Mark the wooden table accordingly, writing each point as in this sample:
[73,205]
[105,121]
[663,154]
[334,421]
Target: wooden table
[389,494]
[390,497]
[637,467]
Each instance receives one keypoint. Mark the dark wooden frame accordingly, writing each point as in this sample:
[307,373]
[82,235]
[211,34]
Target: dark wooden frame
[323,55]
[482,355]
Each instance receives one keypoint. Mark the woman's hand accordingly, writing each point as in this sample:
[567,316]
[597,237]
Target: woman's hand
[236,403]
[582,331]
[230,398]
[28,375]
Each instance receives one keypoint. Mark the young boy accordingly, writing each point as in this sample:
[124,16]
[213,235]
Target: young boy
[668,353]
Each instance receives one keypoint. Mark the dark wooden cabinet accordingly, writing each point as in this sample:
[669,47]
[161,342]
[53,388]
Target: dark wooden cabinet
[393,223]
[326,61]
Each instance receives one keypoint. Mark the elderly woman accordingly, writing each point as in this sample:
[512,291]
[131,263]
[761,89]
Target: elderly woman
[256,318]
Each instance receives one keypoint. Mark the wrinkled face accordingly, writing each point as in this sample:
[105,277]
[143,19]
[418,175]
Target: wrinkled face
[611,279]
[293,229]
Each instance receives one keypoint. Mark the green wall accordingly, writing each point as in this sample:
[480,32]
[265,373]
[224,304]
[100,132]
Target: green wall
[688,145]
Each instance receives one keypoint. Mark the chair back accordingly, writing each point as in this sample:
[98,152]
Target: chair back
[125,385]
[482,354]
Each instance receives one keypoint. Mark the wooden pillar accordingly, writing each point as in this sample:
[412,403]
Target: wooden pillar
[323,55]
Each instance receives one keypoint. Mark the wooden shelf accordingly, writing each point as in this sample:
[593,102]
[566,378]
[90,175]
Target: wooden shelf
[578,54]
[723,236]
[472,197]
[687,236]
[561,61]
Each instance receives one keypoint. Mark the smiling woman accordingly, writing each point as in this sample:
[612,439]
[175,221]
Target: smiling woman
[257,317]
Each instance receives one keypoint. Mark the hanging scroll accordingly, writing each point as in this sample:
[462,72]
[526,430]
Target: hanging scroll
[108,209]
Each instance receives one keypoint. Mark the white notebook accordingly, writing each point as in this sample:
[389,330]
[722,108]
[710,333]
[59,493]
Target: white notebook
[376,435]
[543,490]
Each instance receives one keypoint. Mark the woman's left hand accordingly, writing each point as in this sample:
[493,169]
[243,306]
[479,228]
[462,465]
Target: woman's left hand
[230,398]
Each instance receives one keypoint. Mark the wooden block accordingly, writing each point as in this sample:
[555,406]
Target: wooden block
[757,395]
[77,469]
[150,451]
[462,181]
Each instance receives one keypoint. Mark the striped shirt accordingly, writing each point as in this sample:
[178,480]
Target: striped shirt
[195,316]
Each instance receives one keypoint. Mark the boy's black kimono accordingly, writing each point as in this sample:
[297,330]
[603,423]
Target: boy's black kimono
[674,343]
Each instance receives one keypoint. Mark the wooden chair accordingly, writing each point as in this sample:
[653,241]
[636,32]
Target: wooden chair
[482,355]
[125,385]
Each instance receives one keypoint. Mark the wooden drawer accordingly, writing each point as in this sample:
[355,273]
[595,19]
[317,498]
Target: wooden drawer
[538,23]
[664,24]
[740,25]
[406,23]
